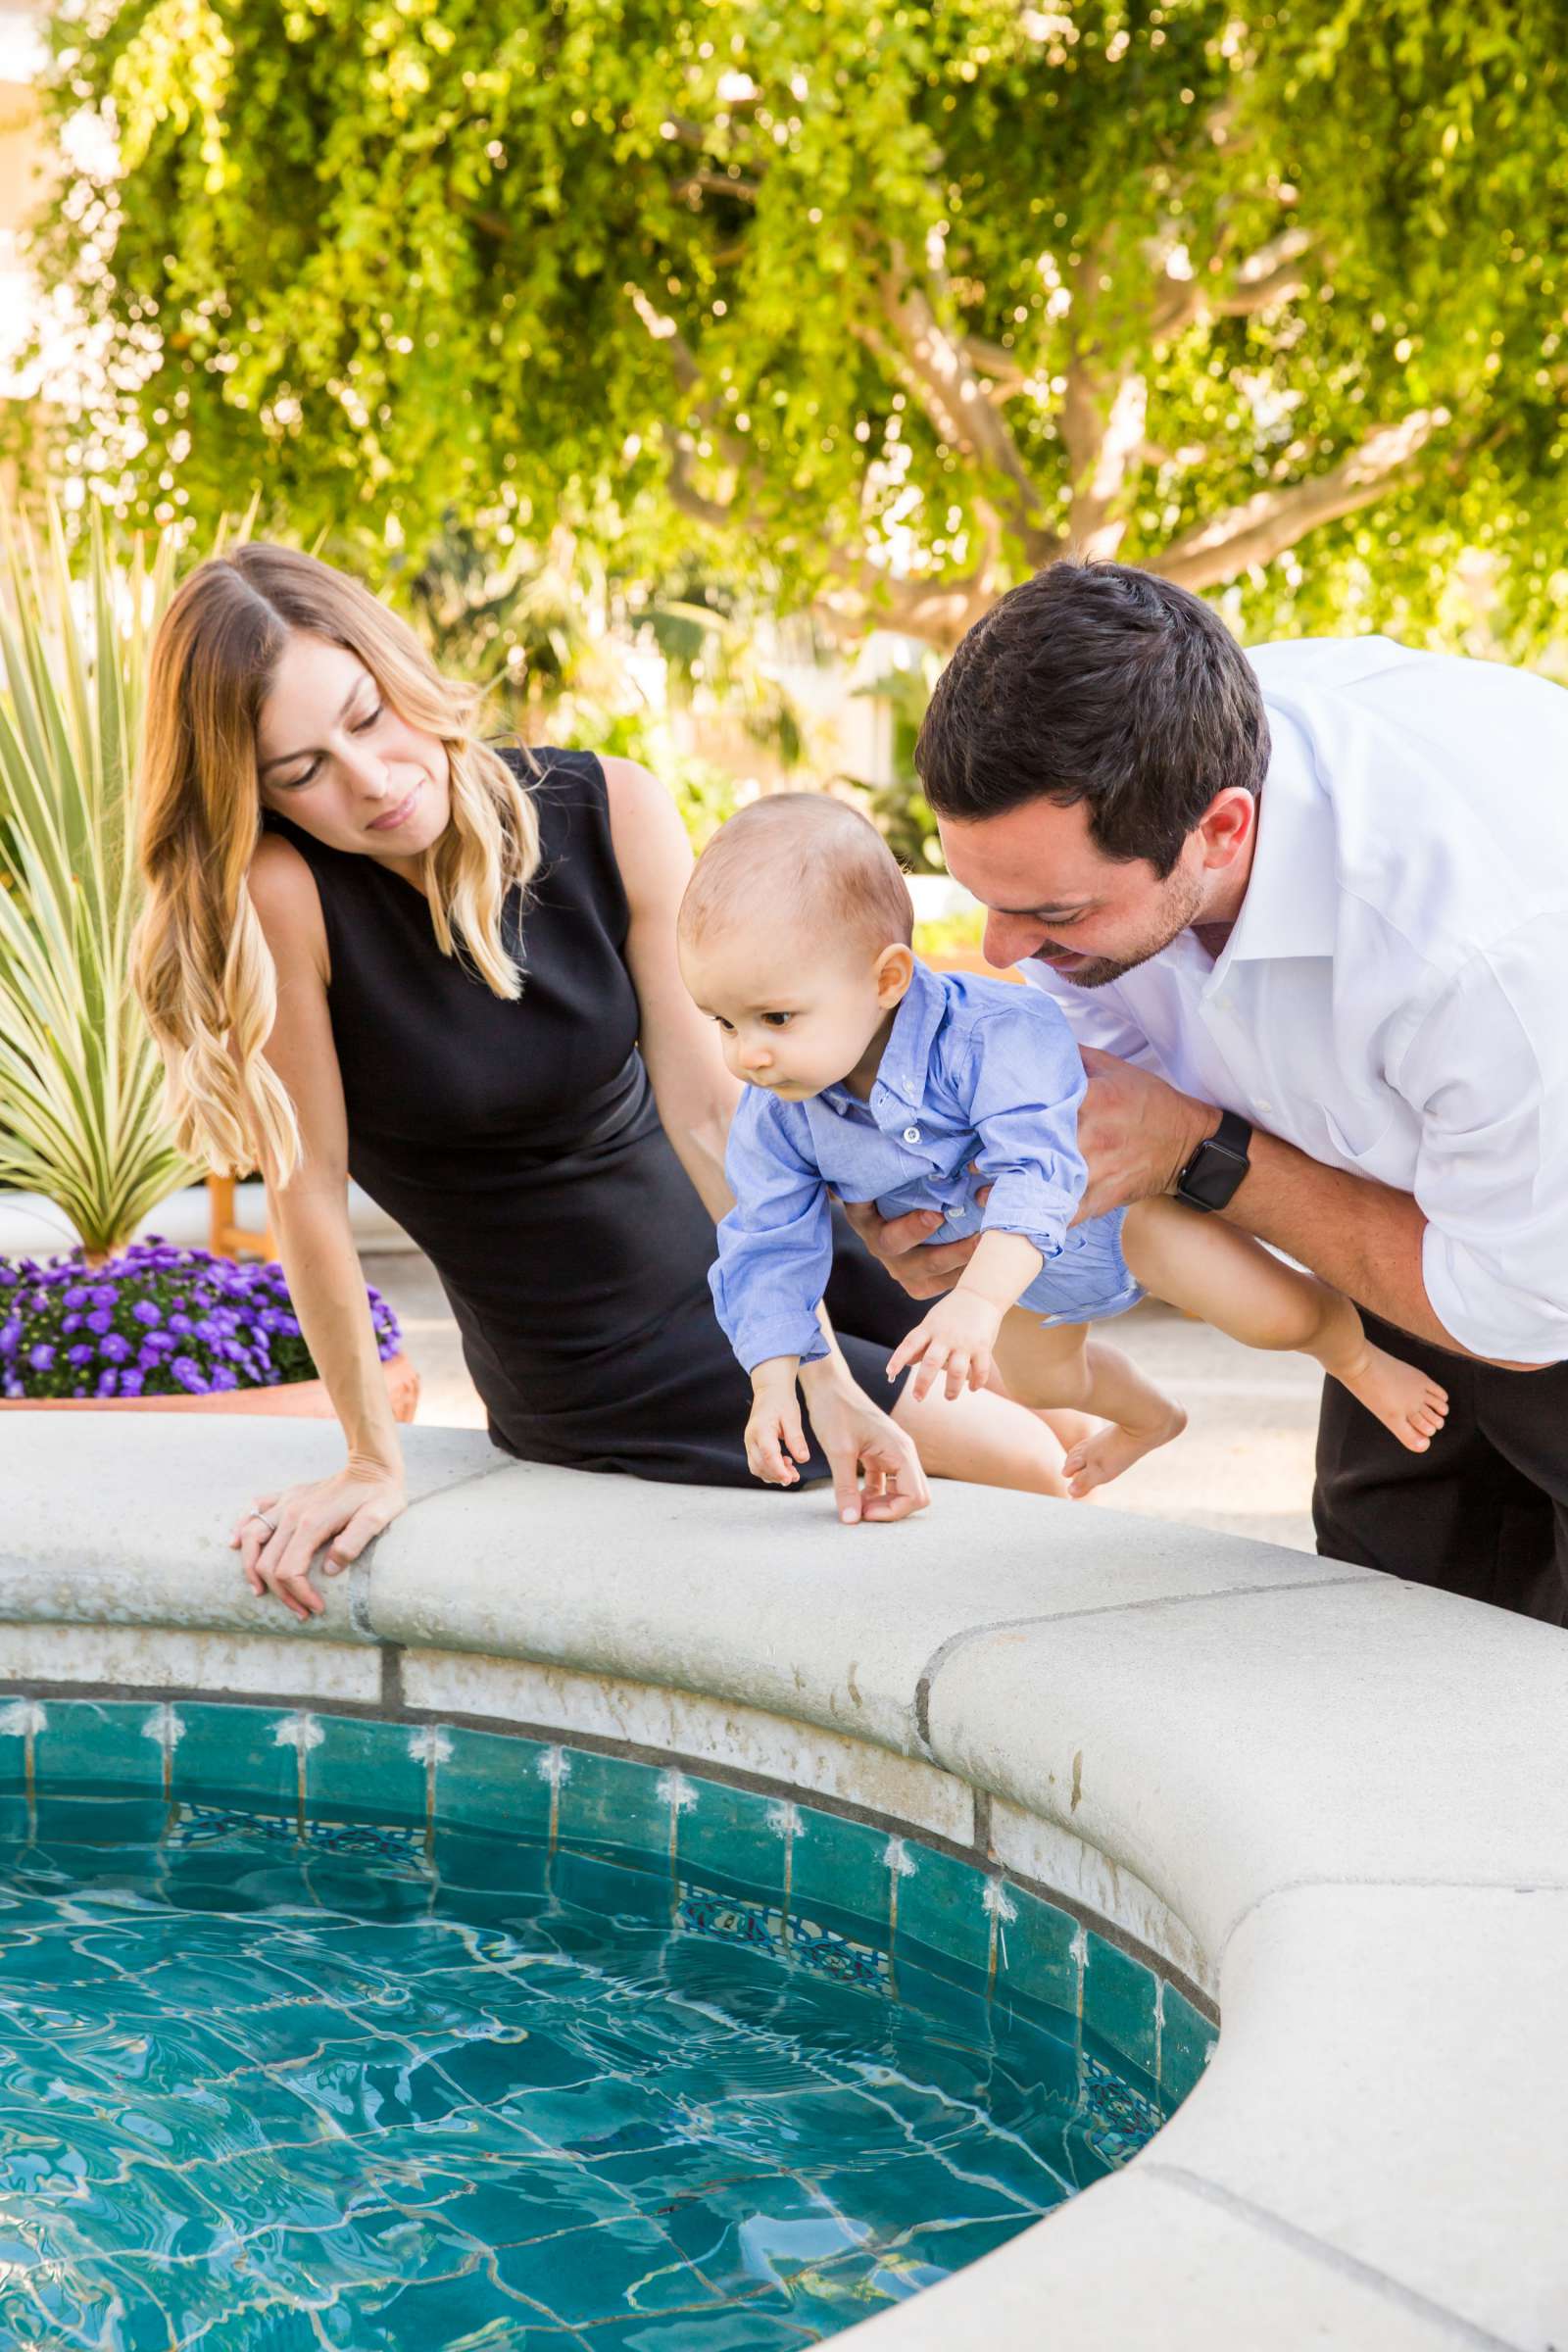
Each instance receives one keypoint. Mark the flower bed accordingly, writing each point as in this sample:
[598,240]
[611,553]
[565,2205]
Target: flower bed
[155,1321]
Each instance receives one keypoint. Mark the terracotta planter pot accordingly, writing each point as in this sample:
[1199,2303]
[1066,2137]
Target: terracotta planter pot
[304,1400]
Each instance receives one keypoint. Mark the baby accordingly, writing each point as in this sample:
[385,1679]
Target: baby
[872,1077]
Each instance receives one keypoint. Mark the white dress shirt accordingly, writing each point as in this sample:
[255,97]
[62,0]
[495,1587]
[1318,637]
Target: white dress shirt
[1393,996]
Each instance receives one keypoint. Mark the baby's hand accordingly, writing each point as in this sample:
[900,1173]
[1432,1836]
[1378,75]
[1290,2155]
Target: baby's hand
[774,1426]
[955,1339]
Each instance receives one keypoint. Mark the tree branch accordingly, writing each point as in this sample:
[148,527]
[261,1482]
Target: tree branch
[717,183]
[936,612]
[933,364]
[1271,274]
[1103,414]
[1004,370]
[1263,527]
[718,515]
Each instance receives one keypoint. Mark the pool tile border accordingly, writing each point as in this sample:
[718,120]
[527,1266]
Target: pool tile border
[817,1878]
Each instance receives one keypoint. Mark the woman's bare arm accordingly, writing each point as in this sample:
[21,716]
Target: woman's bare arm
[317,1242]
[695,1093]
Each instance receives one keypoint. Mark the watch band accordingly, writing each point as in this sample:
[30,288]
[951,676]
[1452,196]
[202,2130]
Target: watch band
[1211,1176]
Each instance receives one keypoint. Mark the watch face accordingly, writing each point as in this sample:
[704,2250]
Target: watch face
[1212,1175]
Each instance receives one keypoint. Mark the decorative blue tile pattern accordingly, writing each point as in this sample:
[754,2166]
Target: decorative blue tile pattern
[385,2036]
[790,1934]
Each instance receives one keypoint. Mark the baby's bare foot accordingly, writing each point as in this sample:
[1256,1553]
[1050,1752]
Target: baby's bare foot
[1403,1399]
[1115,1448]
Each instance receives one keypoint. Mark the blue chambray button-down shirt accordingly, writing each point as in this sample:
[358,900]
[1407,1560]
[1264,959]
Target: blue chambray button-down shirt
[976,1071]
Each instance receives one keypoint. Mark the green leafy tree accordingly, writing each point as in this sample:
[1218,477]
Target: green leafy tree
[891,304]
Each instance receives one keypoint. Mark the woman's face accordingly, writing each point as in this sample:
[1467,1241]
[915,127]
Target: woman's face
[339,762]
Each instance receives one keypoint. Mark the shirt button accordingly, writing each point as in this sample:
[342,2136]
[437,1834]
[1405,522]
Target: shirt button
[911,1135]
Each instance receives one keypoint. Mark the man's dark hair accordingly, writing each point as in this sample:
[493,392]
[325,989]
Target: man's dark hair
[1096,682]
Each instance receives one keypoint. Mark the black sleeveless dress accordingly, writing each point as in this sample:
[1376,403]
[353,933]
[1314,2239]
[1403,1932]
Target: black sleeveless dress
[520,1145]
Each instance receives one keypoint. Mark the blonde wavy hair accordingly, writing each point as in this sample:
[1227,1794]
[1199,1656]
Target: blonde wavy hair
[201,964]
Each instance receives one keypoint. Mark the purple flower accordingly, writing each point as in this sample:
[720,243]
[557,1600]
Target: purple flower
[196,1323]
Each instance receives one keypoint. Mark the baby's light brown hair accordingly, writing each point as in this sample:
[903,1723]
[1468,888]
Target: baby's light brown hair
[805,856]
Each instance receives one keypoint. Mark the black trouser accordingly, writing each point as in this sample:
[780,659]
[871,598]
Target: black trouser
[1484,1512]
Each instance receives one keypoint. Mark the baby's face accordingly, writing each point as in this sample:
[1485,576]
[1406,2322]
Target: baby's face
[793,1016]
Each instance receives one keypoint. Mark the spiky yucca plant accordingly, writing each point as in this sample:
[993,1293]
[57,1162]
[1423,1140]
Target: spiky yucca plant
[82,1116]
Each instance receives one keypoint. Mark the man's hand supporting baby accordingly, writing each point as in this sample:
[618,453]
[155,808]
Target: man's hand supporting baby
[958,1335]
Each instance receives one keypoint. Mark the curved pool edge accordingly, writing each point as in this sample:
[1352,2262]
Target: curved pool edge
[1339,1801]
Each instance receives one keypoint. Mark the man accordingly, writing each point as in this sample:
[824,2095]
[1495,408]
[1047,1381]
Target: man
[1307,912]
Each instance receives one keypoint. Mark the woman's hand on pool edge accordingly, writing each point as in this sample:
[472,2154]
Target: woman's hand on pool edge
[340,1513]
[857,1436]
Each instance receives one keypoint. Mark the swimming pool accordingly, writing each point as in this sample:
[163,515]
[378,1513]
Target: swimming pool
[1330,1803]
[316,2029]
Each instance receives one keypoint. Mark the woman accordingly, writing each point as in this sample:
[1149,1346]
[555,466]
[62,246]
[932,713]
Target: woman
[373,945]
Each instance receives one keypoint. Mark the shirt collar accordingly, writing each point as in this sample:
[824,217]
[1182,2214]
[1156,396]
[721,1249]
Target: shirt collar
[1292,900]
[906,1057]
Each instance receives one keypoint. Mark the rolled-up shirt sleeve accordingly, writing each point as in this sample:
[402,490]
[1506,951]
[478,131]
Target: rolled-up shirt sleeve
[1026,1081]
[775,1248]
[1488,1069]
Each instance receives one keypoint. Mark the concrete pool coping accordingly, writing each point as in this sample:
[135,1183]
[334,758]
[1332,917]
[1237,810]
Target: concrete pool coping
[1334,1802]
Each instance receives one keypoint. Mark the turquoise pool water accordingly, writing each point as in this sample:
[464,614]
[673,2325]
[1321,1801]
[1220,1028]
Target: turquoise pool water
[291,2074]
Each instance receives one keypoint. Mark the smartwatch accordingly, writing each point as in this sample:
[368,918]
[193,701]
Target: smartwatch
[1215,1170]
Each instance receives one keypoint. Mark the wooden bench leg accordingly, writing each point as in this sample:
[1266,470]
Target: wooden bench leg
[225,1238]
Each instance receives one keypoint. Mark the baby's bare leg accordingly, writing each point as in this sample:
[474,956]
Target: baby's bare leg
[985,1437]
[1064,1364]
[1208,1268]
